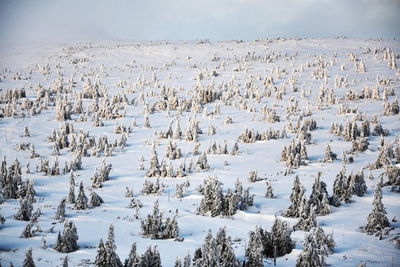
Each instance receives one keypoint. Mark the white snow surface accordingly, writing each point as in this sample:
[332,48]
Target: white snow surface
[113,61]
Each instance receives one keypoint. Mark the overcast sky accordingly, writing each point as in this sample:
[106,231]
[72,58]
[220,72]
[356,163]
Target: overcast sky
[71,20]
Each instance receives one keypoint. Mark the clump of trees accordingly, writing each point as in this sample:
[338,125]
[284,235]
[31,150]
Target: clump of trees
[251,136]
[67,241]
[101,174]
[317,246]
[218,203]
[106,255]
[156,228]
[346,186]
[295,154]
[215,251]
[264,244]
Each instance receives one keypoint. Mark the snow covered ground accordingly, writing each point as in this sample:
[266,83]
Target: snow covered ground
[140,71]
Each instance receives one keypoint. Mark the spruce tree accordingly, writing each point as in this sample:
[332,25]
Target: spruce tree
[329,156]
[133,258]
[356,184]
[71,193]
[319,197]
[111,237]
[106,255]
[317,245]
[280,242]
[67,241]
[154,169]
[101,256]
[209,253]
[224,246]
[27,231]
[254,250]
[269,193]
[296,196]
[306,221]
[341,191]
[151,258]
[60,213]
[81,200]
[310,257]
[156,228]
[25,210]
[377,220]
[28,260]
[275,243]
[95,200]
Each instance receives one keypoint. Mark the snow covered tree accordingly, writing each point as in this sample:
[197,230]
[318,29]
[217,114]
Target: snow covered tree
[235,149]
[2,219]
[135,203]
[317,245]
[67,241]
[28,260]
[274,244]
[180,188]
[101,256]
[255,249]
[106,255]
[133,258]
[253,177]
[10,179]
[329,156]
[279,242]
[152,188]
[310,257]
[356,184]
[212,197]
[319,199]
[25,210]
[216,251]
[177,134]
[60,213]
[307,219]
[146,123]
[224,246]
[156,228]
[101,174]
[154,169]
[217,203]
[377,220]
[341,191]
[295,154]
[95,200]
[172,151]
[269,193]
[71,193]
[151,258]
[26,132]
[81,200]
[26,190]
[201,163]
[296,197]
[111,237]
[27,231]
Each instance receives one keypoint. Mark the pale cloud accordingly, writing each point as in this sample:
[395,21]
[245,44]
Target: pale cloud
[71,20]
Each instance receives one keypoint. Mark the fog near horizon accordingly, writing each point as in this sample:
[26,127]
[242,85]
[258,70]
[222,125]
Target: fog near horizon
[45,21]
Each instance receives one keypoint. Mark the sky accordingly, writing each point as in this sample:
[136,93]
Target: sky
[47,21]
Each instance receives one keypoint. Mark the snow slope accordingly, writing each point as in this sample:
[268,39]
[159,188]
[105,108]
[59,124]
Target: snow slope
[176,64]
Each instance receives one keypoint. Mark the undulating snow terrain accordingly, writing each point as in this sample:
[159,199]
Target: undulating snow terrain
[114,103]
